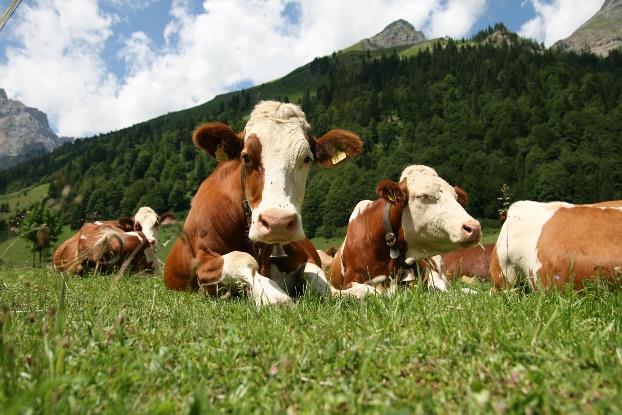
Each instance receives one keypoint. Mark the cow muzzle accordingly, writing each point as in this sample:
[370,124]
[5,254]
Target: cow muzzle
[471,232]
[278,226]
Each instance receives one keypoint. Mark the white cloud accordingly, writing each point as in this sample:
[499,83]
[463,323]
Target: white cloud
[558,19]
[58,63]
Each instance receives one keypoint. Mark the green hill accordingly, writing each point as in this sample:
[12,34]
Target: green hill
[546,123]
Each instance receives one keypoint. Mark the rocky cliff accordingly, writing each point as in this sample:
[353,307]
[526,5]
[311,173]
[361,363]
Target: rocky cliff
[398,33]
[24,132]
[601,34]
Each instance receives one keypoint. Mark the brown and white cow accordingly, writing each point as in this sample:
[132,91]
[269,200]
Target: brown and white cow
[425,216]
[472,262]
[252,202]
[126,243]
[552,244]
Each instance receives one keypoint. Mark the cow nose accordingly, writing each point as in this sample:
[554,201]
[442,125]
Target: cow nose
[277,224]
[471,230]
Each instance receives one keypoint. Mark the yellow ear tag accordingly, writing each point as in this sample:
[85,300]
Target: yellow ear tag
[220,153]
[338,157]
[392,198]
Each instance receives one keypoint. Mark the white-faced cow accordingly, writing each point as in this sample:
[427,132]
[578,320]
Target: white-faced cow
[126,243]
[250,205]
[552,244]
[417,218]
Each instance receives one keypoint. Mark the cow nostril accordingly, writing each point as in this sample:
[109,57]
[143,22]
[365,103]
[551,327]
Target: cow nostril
[291,224]
[467,229]
[264,222]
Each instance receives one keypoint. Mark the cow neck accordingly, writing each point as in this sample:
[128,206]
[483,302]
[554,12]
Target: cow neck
[264,257]
[394,240]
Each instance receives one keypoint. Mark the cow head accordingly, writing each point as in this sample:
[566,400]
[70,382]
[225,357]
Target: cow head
[148,222]
[276,151]
[433,218]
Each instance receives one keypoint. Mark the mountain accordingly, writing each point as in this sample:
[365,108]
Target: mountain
[24,132]
[483,112]
[601,34]
[398,33]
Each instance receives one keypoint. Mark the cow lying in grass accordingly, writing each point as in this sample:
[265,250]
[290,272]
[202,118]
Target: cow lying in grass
[249,207]
[417,218]
[126,243]
[549,245]
[470,262]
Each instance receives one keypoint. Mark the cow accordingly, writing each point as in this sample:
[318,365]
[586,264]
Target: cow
[472,262]
[126,243]
[249,207]
[417,218]
[552,244]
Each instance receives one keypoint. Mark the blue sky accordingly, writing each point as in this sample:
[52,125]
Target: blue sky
[98,65]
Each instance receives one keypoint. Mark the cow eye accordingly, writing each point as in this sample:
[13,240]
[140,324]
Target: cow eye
[425,198]
[308,159]
[246,158]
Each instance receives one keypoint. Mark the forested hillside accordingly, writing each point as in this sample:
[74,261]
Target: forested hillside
[547,123]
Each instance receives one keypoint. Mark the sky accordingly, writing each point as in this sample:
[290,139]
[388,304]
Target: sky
[95,66]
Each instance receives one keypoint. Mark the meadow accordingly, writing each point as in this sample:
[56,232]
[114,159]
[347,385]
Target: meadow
[106,344]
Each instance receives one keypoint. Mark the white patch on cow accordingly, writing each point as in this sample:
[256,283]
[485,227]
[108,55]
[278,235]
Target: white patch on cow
[518,239]
[434,219]
[316,279]
[97,222]
[241,268]
[83,237]
[436,277]
[343,244]
[359,208]
[149,252]
[282,130]
[148,220]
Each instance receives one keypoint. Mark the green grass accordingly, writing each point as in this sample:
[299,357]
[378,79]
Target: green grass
[325,243]
[128,345]
[24,198]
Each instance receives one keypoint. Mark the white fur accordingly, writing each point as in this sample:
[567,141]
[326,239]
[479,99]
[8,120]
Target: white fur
[150,254]
[359,208]
[433,220]
[240,267]
[518,239]
[148,220]
[282,130]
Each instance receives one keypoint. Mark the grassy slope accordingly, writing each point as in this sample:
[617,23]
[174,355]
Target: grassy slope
[24,198]
[130,346]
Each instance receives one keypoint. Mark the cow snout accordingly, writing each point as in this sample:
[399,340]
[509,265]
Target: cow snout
[277,225]
[471,231]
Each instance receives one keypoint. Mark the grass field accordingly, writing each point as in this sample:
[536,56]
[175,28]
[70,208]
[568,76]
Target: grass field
[24,198]
[127,345]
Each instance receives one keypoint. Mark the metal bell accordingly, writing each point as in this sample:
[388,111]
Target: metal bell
[278,252]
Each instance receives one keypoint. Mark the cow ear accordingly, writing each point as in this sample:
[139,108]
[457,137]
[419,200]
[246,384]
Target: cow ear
[337,146]
[463,197]
[391,191]
[218,140]
[167,218]
[127,224]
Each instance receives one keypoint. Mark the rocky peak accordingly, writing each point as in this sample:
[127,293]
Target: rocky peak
[599,35]
[24,132]
[398,33]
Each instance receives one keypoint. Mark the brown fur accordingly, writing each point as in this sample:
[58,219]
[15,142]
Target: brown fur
[216,224]
[473,262]
[580,244]
[365,253]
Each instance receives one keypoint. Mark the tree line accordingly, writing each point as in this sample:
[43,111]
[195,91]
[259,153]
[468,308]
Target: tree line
[546,123]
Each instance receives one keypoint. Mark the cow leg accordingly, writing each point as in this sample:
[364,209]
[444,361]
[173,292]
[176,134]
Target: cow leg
[316,279]
[179,269]
[240,268]
[436,277]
